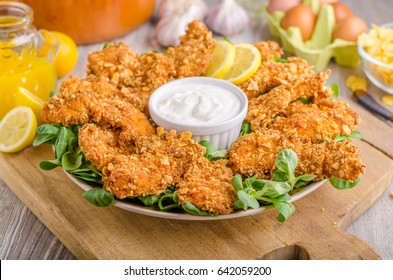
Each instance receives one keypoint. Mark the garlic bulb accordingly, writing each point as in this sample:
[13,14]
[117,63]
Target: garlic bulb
[174,16]
[195,9]
[169,29]
[227,18]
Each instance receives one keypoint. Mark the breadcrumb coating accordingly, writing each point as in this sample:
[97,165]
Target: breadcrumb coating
[207,185]
[255,153]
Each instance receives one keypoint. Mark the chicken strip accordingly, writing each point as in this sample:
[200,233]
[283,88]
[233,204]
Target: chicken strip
[117,63]
[98,86]
[264,108]
[255,153]
[271,74]
[192,56]
[159,162]
[317,122]
[100,145]
[82,107]
[207,185]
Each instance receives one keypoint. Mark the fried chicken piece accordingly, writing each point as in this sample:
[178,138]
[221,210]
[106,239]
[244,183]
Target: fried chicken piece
[255,153]
[118,113]
[117,63]
[269,50]
[100,145]
[138,175]
[317,122]
[159,162]
[156,69]
[271,74]
[82,107]
[192,56]
[178,145]
[68,108]
[262,109]
[207,185]
[97,85]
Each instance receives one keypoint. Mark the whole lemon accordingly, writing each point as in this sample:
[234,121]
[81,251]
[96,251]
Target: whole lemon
[67,55]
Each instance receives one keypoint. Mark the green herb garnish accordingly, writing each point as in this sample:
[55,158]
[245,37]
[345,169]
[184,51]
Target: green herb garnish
[280,60]
[246,128]
[68,154]
[342,184]
[354,135]
[336,90]
[99,197]
[211,154]
[253,192]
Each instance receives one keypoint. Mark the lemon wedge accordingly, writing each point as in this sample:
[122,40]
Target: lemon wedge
[222,59]
[247,61]
[24,97]
[17,129]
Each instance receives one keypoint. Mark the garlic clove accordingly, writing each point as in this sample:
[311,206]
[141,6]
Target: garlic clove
[196,9]
[169,29]
[227,18]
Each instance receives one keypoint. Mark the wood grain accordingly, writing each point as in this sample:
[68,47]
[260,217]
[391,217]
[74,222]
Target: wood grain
[20,228]
[111,233]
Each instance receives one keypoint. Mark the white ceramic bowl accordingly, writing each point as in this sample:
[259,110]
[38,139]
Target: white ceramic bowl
[379,73]
[222,133]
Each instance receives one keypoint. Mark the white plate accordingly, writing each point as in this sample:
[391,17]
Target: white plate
[151,211]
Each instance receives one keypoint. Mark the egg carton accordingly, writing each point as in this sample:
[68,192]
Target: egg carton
[319,50]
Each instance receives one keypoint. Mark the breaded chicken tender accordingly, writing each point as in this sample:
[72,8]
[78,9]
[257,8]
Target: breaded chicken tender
[159,162]
[97,85]
[100,145]
[255,153]
[207,185]
[117,63]
[192,56]
[271,74]
[316,122]
[83,107]
[264,108]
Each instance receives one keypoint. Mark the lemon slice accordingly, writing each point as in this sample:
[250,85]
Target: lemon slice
[17,129]
[222,59]
[26,98]
[247,61]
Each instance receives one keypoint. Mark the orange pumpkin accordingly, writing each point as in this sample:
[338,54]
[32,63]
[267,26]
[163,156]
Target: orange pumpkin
[91,21]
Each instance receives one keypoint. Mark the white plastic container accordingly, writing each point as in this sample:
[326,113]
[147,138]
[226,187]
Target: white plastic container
[220,133]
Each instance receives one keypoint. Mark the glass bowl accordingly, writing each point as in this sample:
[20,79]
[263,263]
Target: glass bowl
[379,73]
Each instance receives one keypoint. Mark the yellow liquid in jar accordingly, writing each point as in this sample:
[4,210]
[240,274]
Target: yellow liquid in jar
[36,74]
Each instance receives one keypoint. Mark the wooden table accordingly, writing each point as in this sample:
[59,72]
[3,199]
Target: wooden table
[23,236]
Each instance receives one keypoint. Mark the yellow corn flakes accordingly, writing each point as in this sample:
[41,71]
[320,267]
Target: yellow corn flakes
[378,43]
[388,100]
[356,83]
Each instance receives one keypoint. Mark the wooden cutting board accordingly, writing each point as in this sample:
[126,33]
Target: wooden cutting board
[315,231]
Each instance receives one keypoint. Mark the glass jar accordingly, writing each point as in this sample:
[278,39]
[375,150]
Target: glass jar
[26,56]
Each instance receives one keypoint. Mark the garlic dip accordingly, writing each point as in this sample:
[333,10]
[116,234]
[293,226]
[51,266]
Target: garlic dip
[199,104]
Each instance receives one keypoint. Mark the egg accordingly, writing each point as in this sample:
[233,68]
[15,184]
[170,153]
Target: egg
[301,16]
[341,11]
[281,5]
[349,28]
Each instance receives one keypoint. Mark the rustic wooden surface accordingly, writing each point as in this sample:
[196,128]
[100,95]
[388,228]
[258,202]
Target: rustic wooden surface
[23,236]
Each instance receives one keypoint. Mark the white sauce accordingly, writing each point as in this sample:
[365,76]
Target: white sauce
[196,104]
